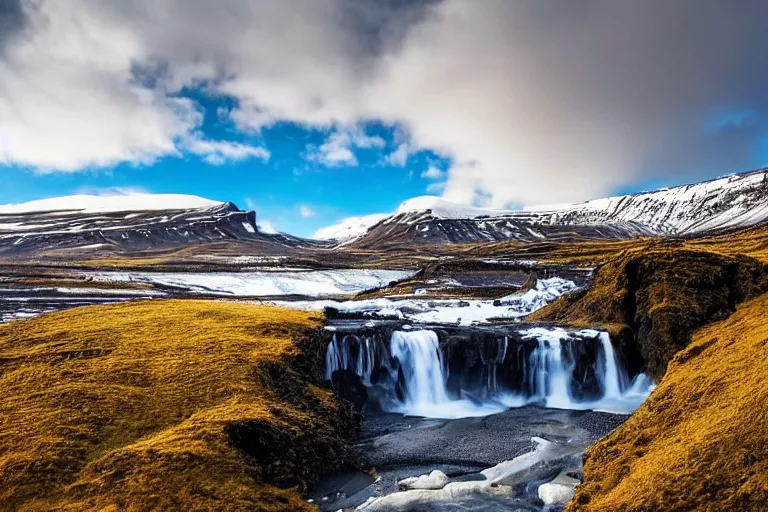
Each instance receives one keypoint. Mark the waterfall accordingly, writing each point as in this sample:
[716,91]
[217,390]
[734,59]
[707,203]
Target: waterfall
[335,358]
[420,358]
[550,373]
[548,366]
[611,374]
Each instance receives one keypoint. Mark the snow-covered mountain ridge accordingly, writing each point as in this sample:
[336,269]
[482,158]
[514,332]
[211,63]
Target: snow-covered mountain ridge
[133,222]
[85,203]
[730,202]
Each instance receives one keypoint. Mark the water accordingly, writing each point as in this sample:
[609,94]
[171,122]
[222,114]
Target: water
[422,366]
[548,366]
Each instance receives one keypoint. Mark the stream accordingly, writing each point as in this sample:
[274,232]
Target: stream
[474,418]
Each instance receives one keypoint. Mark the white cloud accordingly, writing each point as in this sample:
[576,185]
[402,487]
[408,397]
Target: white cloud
[399,156]
[338,149]
[266,226]
[306,211]
[531,101]
[433,173]
[217,152]
[436,188]
[335,151]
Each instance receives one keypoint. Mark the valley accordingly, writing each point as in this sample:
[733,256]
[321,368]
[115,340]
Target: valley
[444,358]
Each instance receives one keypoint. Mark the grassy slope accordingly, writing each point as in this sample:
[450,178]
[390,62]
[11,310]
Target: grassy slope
[662,295]
[134,407]
[752,242]
[700,442]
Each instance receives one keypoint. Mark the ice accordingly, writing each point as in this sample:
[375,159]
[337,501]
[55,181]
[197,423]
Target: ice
[310,283]
[449,311]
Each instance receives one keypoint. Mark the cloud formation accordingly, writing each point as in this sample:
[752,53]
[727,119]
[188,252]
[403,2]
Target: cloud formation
[306,211]
[533,100]
[339,148]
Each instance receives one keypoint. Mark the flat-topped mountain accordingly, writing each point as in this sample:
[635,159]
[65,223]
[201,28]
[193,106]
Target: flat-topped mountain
[127,223]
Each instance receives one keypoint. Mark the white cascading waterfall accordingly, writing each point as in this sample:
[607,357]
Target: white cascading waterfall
[550,374]
[613,378]
[416,373]
[422,364]
[335,358]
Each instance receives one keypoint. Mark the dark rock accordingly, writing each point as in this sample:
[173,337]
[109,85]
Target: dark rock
[348,386]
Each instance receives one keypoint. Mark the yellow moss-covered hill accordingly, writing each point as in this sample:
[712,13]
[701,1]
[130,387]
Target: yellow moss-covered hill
[163,405]
[700,442]
[655,298]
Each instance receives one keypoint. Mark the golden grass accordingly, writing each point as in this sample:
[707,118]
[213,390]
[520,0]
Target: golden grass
[752,242]
[83,283]
[700,442]
[128,407]
[662,295]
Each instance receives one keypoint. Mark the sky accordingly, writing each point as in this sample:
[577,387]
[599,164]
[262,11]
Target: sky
[310,111]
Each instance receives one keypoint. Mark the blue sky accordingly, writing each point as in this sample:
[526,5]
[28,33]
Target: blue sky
[290,190]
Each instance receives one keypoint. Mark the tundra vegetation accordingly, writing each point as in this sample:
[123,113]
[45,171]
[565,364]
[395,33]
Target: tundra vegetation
[200,405]
[165,405]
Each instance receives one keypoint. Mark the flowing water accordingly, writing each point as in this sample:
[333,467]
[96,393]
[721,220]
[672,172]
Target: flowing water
[468,402]
[410,373]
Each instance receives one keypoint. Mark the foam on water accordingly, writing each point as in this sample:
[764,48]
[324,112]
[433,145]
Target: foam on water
[417,374]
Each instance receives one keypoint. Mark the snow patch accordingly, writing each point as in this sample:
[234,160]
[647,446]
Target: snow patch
[314,283]
[348,228]
[449,311]
[84,203]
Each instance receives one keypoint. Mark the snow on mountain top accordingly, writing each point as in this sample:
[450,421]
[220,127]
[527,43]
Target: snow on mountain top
[84,203]
[689,192]
[351,227]
[445,209]
[727,202]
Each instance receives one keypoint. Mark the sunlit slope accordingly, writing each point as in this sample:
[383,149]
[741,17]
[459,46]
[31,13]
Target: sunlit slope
[700,442]
[659,295]
[752,242]
[140,406]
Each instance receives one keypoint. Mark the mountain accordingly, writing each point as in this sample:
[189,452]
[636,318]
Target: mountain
[348,228]
[134,222]
[722,204]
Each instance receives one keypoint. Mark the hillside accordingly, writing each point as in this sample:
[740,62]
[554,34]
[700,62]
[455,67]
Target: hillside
[699,441]
[164,405]
[655,297]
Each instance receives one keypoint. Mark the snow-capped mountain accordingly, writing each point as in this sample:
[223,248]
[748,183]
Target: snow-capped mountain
[133,222]
[350,227]
[730,202]
[84,203]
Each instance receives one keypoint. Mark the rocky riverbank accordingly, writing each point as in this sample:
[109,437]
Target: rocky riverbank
[474,463]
